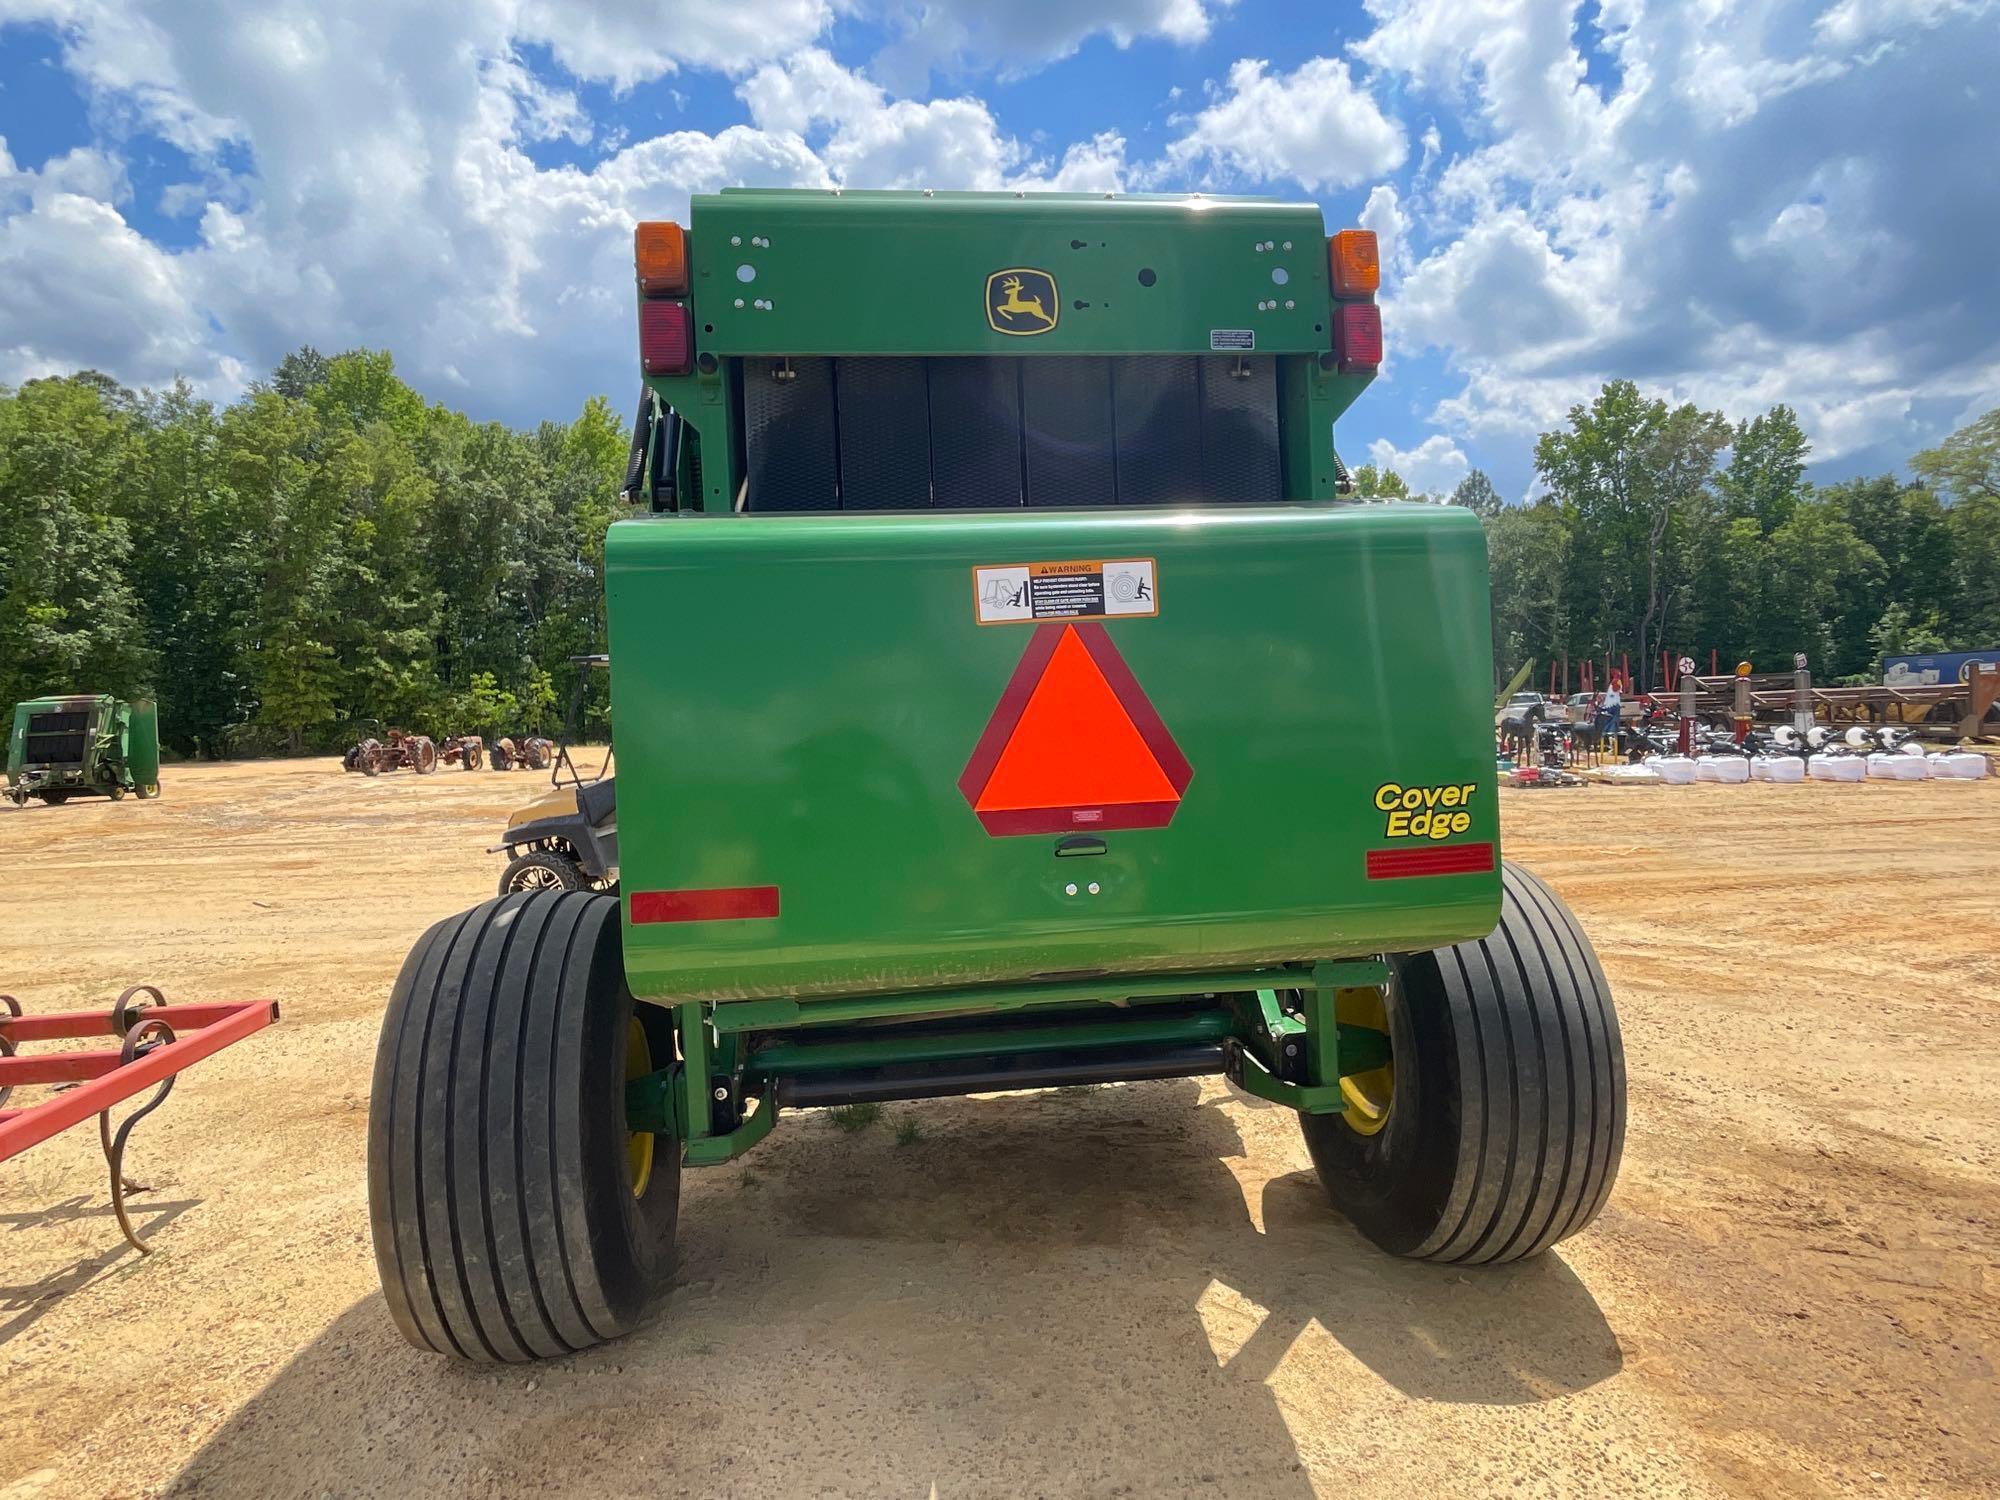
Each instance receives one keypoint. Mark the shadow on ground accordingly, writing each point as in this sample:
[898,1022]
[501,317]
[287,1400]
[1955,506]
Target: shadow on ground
[1058,1294]
[22,1304]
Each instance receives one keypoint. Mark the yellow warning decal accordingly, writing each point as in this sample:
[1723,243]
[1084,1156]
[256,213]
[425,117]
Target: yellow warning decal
[1424,812]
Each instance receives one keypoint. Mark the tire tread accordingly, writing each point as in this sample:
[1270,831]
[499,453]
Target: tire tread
[1546,1118]
[480,1163]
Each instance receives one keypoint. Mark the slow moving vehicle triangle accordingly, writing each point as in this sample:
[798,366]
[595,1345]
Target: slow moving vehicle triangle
[1075,744]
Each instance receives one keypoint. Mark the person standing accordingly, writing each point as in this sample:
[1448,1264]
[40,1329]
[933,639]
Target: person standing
[1607,712]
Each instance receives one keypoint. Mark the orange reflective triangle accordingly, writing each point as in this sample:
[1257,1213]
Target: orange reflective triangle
[1075,745]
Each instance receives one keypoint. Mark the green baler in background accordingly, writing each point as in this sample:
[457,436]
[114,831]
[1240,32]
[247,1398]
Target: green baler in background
[83,745]
[1005,700]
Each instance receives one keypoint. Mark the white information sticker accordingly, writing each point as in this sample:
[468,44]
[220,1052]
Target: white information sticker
[1017,593]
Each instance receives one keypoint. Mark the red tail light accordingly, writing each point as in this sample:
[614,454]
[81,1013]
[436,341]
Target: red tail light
[666,338]
[1357,335]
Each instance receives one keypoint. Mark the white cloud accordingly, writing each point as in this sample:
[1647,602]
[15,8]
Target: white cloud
[1733,204]
[805,90]
[875,141]
[391,199]
[1097,165]
[79,287]
[634,40]
[1852,22]
[1014,35]
[1433,467]
[1502,292]
[1315,126]
[1383,213]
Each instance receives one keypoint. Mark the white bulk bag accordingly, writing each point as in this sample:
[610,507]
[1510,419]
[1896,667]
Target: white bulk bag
[1629,776]
[1959,765]
[1887,767]
[1675,770]
[1837,768]
[1786,768]
[1725,768]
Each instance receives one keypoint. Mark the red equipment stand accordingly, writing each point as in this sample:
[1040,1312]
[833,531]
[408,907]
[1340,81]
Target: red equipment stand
[157,1040]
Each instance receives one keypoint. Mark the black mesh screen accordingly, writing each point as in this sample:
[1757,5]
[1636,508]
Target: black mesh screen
[885,461]
[56,739]
[788,419]
[975,433]
[1239,429]
[998,432]
[1072,453]
[1156,408]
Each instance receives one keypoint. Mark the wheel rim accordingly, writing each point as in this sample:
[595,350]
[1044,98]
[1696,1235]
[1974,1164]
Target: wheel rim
[638,1143]
[536,878]
[1369,1096]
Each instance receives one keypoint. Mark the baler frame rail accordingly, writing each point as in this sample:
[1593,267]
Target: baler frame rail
[156,1042]
[1271,1032]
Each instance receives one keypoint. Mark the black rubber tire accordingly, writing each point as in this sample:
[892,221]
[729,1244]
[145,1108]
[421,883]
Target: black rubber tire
[568,873]
[116,791]
[499,1190]
[55,799]
[1508,1118]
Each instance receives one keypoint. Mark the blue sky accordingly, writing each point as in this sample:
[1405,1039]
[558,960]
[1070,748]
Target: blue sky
[1737,202]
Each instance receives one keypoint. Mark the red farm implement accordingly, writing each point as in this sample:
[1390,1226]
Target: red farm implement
[156,1041]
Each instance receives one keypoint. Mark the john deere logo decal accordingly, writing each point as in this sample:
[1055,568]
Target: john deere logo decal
[1021,301]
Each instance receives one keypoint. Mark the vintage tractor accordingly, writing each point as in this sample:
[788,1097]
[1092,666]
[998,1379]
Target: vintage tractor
[524,752]
[83,745]
[398,751]
[466,751]
[1005,700]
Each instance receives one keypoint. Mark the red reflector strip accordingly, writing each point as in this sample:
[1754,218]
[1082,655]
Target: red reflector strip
[1438,859]
[728,904]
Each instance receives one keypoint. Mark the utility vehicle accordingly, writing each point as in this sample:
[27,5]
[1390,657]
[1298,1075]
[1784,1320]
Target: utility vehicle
[567,838]
[1005,700]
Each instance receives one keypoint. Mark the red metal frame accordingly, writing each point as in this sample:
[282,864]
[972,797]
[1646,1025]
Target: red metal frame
[198,1031]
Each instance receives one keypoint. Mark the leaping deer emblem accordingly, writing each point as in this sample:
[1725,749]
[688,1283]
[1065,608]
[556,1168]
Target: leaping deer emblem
[1014,306]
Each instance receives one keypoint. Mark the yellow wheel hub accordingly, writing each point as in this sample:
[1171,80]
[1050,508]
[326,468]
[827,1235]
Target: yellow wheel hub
[1369,1095]
[638,1143]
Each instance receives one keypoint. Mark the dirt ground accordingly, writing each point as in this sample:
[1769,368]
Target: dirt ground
[1120,1291]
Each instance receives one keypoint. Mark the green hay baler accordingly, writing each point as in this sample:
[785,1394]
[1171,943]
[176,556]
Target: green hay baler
[1006,700]
[83,745]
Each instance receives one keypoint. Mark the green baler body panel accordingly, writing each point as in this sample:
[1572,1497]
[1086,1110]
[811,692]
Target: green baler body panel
[798,698]
[905,273]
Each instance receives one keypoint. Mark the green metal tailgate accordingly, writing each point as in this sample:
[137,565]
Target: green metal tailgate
[873,753]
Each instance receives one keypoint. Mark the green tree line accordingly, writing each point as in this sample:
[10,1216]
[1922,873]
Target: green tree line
[1665,528]
[330,552]
[326,553]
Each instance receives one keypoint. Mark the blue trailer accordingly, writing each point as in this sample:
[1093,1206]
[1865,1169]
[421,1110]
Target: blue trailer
[1937,667]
